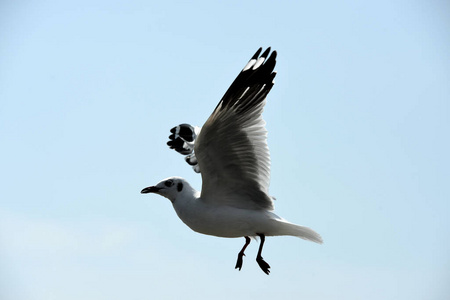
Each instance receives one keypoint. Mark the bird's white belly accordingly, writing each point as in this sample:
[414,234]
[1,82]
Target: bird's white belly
[226,221]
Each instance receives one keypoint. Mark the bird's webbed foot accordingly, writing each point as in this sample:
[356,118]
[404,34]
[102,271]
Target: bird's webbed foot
[241,254]
[263,265]
[239,261]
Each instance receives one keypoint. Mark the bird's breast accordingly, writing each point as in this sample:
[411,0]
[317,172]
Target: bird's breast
[222,221]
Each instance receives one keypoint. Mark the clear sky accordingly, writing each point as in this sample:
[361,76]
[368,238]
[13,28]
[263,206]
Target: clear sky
[358,125]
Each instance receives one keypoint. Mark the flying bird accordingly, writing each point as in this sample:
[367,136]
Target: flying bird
[230,152]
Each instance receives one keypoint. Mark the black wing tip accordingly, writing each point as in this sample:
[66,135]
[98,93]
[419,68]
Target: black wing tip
[255,56]
[258,61]
[273,55]
[269,60]
[257,72]
[265,53]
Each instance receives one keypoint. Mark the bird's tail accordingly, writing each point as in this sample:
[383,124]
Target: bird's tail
[306,233]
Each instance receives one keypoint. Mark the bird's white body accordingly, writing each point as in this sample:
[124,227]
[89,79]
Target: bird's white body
[227,221]
[231,222]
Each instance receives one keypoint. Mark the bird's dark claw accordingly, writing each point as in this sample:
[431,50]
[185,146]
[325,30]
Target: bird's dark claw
[239,261]
[263,265]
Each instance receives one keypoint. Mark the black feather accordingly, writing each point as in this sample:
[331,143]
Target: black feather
[251,86]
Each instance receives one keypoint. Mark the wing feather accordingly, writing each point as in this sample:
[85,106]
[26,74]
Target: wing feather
[231,148]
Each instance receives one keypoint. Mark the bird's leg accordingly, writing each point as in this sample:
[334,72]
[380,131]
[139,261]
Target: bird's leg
[241,254]
[262,264]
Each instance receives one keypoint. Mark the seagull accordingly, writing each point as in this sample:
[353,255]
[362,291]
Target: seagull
[231,153]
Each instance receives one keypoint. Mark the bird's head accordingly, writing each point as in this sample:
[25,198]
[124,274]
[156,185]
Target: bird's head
[170,188]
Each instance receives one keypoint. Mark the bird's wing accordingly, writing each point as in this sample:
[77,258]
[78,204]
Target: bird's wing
[231,148]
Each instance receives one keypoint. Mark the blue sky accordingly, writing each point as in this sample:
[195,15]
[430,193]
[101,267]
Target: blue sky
[358,126]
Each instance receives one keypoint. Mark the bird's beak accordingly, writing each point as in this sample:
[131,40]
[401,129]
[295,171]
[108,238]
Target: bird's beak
[150,189]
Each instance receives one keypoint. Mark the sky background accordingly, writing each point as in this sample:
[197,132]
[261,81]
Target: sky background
[358,125]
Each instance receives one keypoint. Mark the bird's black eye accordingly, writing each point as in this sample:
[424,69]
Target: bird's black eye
[168,183]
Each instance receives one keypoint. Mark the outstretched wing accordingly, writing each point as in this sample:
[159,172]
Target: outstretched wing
[231,148]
